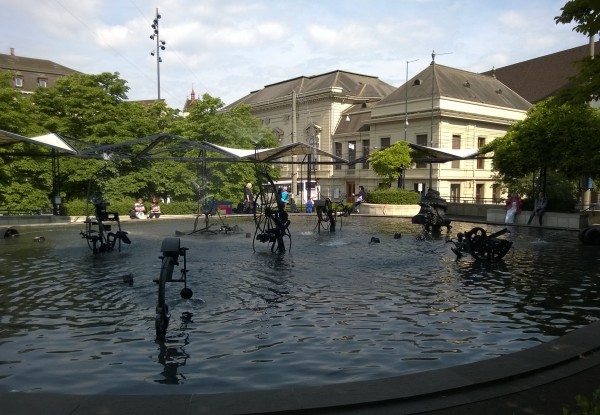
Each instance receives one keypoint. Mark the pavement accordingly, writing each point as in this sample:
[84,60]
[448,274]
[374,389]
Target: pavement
[538,381]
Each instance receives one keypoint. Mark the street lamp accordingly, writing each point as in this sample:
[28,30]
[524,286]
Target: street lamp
[406,99]
[160,45]
[433,55]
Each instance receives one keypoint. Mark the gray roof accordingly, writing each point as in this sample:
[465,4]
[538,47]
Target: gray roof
[540,78]
[352,85]
[458,84]
[20,63]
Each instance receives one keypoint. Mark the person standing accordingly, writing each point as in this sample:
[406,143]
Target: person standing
[513,208]
[284,197]
[248,198]
[539,208]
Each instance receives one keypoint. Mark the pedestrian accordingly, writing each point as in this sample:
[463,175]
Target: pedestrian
[284,197]
[248,198]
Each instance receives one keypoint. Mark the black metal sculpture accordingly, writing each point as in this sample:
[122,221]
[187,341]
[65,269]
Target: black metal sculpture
[481,246]
[326,215]
[271,219]
[433,213]
[98,230]
[590,236]
[171,250]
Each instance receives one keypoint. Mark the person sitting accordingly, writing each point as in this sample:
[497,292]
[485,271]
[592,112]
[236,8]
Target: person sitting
[139,210]
[309,206]
[155,209]
[539,208]
[513,208]
[358,199]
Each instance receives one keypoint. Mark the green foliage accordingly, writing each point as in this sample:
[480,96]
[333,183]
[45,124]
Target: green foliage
[80,207]
[391,161]
[389,196]
[560,138]
[586,406]
[92,109]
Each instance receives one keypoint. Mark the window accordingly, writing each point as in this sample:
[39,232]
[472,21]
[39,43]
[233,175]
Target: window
[480,161]
[385,142]
[422,141]
[365,153]
[338,152]
[456,146]
[455,193]
[479,196]
[18,82]
[42,82]
[351,154]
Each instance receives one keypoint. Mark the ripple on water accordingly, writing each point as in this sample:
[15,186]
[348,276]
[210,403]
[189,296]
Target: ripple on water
[334,308]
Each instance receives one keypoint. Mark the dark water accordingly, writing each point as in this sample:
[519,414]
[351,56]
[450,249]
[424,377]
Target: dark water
[335,308]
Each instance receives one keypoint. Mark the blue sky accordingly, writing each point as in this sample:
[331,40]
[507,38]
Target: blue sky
[229,48]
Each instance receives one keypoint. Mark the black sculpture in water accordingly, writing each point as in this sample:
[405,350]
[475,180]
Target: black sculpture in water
[481,246]
[171,251]
[98,230]
[270,217]
[433,212]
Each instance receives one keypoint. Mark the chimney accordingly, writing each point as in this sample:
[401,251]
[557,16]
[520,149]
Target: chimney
[12,51]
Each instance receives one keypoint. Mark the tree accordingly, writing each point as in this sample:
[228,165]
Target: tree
[390,162]
[236,128]
[556,138]
[586,83]
[555,135]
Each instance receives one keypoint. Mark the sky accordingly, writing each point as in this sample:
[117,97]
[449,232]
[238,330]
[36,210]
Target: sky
[229,48]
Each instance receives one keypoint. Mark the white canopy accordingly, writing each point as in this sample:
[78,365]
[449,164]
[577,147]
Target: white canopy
[52,141]
[266,155]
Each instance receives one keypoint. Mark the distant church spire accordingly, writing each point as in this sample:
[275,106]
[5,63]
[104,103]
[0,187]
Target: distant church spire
[193,94]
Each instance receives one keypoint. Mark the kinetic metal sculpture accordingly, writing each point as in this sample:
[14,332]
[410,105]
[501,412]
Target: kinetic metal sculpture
[433,213]
[171,250]
[271,219]
[326,215]
[102,238]
[481,246]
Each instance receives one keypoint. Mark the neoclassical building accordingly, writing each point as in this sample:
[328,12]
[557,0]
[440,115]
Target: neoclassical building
[450,111]
[309,110]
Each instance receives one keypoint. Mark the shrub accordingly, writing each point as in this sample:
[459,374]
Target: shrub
[393,197]
[586,406]
[78,207]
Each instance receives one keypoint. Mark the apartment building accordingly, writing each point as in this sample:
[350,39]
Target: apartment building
[32,73]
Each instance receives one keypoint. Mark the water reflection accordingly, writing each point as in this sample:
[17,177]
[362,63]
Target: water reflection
[172,354]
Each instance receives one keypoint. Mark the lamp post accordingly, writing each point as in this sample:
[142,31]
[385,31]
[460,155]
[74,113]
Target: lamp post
[406,112]
[406,99]
[433,55]
[160,45]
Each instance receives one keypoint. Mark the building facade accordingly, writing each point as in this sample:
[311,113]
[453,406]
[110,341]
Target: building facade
[31,73]
[350,115]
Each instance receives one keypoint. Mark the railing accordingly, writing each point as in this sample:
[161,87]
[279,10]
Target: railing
[31,212]
[476,200]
